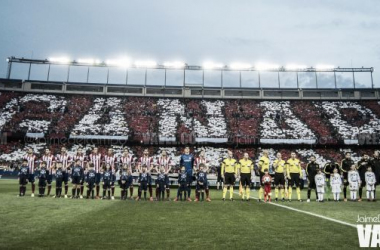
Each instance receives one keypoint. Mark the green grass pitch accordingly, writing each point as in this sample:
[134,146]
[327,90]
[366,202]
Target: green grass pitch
[48,223]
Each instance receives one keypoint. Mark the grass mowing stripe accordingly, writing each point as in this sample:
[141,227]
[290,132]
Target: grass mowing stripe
[309,213]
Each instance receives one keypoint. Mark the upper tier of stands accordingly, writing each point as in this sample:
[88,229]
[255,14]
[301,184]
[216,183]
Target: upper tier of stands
[148,119]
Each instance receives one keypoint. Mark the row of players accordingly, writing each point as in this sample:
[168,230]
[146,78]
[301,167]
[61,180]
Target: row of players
[287,173]
[144,180]
[66,165]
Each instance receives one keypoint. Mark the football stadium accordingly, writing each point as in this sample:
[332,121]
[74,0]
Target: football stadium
[103,149]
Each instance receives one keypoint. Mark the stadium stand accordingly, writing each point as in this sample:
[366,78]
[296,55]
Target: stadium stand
[329,125]
[280,123]
[243,119]
[193,118]
[5,97]
[8,110]
[60,115]
[350,119]
[141,114]
[315,119]
[372,105]
[104,118]
[77,106]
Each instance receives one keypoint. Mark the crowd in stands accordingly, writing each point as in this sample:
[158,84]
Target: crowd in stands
[77,107]
[316,120]
[279,122]
[33,113]
[350,118]
[19,150]
[7,148]
[331,154]
[62,116]
[216,126]
[104,118]
[204,118]
[372,105]
[243,119]
[169,110]
[141,114]
[5,97]
[8,110]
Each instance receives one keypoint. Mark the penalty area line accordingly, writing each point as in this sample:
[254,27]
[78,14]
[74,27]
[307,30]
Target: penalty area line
[308,213]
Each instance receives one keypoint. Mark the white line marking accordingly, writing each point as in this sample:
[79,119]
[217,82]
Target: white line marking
[309,213]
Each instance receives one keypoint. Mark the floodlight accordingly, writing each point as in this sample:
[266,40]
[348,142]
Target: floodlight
[266,66]
[174,64]
[59,60]
[88,61]
[240,66]
[211,65]
[122,62]
[295,67]
[145,64]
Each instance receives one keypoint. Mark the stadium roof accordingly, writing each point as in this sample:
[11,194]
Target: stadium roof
[178,74]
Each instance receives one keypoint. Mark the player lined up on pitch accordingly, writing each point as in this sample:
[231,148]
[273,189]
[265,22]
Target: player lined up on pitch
[97,170]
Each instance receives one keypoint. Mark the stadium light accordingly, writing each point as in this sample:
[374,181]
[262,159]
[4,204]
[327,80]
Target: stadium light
[323,67]
[7,59]
[59,60]
[211,65]
[295,67]
[145,64]
[88,61]
[240,66]
[266,66]
[122,62]
[176,65]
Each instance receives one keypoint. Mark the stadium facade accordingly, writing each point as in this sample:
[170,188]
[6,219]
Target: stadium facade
[214,81]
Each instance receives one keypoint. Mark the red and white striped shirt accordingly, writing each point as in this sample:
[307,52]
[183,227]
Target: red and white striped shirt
[146,161]
[166,162]
[198,161]
[31,162]
[111,159]
[82,158]
[65,159]
[96,159]
[127,160]
[49,159]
